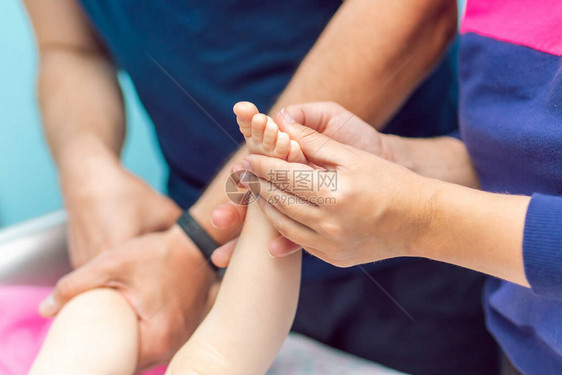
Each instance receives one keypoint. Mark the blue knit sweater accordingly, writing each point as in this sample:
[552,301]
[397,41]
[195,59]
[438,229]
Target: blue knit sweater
[511,122]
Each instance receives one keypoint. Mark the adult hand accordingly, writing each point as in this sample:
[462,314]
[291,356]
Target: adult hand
[107,205]
[337,123]
[378,209]
[162,275]
[327,118]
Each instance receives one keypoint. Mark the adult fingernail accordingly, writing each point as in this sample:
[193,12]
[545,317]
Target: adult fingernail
[272,247]
[213,223]
[287,115]
[47,306]
[269,253]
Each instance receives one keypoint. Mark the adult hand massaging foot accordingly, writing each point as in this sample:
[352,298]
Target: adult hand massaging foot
[327,118]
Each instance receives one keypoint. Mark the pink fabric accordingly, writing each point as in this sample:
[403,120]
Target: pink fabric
[532,23]
[22,329]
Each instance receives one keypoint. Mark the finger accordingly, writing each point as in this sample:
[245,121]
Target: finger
[281,246]
[318,254]
[237,167]
[92,275]
[221,256]
[287,227]
[297,179]
[317,147]
[295,207]
[228,215]
[313,115]
[238,172]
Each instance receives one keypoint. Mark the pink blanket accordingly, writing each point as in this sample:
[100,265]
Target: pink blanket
[22,329]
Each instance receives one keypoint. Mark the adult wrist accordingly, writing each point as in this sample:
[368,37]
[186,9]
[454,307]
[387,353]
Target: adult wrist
[202,240]
[83,161]
[180,244]
[396,149]
[426,214]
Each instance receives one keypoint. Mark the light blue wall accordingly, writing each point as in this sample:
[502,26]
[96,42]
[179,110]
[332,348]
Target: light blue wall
[28,182]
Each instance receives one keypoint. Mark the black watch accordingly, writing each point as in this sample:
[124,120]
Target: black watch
[199,236]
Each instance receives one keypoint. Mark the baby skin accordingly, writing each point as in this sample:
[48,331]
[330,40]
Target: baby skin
[263,135]
[257,301]
[96,333]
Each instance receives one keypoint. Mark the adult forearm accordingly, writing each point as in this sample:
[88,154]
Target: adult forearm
[81,107]
[468,227]
[441,158]
[372,55]
[477,230]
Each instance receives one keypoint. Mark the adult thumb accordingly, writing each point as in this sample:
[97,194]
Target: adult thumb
[317,147]
[89,276]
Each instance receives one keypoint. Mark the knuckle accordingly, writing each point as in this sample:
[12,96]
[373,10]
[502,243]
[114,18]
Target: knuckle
[107,262]
[308,134]
[261,166]
[289,208]
[315,253]
[283,228]
[345,194]
[333,229]
[341,262]
[330,260]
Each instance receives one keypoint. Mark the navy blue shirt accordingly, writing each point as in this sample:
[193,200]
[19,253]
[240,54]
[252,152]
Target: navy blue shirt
[217,53]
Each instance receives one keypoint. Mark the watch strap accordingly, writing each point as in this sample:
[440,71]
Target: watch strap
[199,236]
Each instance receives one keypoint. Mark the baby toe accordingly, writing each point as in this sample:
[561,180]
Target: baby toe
[259,122]
[270,135]
[283,145]
[295,153]
[245,111]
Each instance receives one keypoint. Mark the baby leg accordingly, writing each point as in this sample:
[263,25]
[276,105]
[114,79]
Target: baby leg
[257,301]
[253,313]
[96,333]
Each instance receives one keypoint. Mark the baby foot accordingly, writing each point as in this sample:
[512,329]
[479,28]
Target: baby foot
[263,135]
